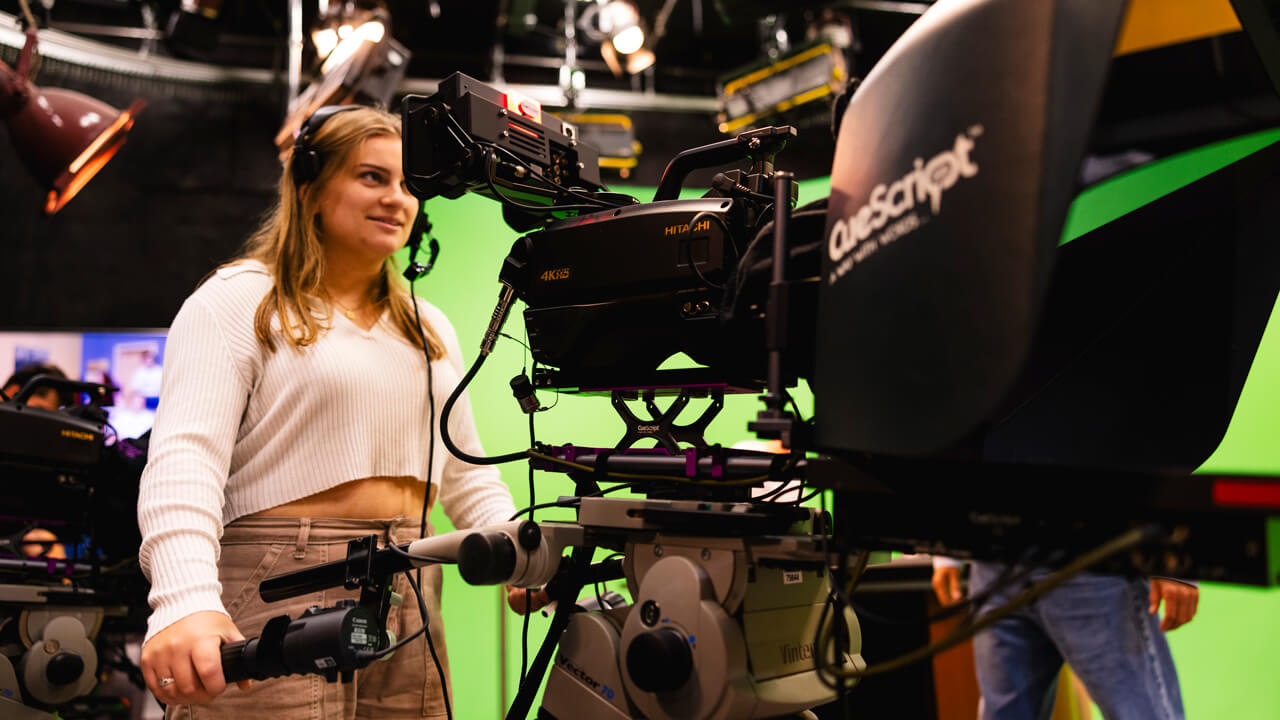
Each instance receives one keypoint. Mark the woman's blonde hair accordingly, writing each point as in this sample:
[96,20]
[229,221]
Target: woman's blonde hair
[288,242]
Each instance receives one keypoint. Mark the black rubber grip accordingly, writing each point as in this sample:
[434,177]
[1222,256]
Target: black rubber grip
[233,669]
[486,558]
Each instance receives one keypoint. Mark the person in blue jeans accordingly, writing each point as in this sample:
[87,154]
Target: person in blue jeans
[1106,627]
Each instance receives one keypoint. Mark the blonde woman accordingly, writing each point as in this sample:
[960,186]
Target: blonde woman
[294,415]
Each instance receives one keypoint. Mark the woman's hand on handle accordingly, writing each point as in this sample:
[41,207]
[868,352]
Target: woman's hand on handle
[183,662]
[522,600]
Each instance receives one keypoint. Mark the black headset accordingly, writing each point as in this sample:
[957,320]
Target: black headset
[307,161]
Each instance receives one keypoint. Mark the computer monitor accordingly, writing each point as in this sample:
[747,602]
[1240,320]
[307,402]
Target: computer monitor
[130,360]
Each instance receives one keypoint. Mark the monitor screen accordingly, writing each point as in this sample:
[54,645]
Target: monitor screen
[131,360]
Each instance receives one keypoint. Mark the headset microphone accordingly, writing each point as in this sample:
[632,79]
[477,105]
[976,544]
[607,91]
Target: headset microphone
[421,226]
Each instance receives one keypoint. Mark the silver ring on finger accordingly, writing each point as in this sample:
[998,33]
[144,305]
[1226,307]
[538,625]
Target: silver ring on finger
[165,681]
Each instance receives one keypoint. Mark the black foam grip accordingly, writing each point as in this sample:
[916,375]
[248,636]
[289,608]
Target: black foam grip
[486,558]
[233,669]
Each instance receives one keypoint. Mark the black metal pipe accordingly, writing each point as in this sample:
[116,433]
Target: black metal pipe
[777,307]
[333,574]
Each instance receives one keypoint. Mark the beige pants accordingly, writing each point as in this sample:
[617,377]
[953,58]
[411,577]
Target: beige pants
[405,686]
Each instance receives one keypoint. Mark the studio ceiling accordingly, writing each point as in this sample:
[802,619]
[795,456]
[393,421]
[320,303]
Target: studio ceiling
[520,41]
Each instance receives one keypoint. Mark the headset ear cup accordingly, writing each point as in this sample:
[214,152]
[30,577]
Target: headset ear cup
[306,166]
[306,162]
[301,154]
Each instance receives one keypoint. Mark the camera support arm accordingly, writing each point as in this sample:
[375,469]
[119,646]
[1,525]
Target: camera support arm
[774,421]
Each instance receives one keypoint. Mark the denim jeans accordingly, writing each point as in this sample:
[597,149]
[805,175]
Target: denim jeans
[1097,624]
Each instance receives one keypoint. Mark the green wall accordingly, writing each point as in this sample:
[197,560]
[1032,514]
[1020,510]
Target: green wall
[1222,657]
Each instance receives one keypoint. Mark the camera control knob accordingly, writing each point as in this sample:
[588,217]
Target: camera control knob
[529,535]
[486,558]
[650,613]
[64,668]
[659,660]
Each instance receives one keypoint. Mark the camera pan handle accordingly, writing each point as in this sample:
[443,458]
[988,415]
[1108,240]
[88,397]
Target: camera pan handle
[767,139]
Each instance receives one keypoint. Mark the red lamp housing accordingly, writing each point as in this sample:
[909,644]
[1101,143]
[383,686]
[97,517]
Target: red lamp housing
[63,137]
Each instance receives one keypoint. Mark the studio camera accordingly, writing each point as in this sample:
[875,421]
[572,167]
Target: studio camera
[612,287]
[963,360]
[71,589]
[962,356]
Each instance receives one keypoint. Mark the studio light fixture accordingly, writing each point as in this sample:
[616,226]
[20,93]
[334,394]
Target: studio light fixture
[613,135]
[619,28]
[751,94]
[337,33]
[352,37]
[360,64]
[63,137]
[324,38]
[620,22]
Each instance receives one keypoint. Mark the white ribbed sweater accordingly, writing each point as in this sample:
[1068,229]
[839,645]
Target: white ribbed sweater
[240,429]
